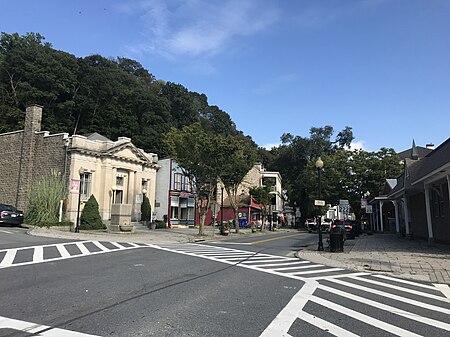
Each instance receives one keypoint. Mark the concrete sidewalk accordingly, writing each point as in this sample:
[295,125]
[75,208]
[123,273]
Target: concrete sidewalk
[390,255]
[144,235]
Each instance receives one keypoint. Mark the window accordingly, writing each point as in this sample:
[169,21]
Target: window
[85,185]
[144,185]
[177,182]
[174,212]
[437,202]
[119,181]
[186,186]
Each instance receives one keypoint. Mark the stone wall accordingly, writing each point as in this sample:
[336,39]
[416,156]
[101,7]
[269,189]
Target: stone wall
[10,149]
[27,156]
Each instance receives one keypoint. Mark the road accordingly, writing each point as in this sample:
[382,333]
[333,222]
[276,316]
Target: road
[248,287]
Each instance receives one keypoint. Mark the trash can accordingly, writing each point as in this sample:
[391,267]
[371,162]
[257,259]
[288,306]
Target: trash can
[337,241]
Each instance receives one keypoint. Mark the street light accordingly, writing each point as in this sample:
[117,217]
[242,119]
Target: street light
[319,166]
[221,212]
[77,227]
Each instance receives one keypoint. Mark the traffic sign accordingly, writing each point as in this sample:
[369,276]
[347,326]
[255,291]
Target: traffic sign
[369,209]
[319,202]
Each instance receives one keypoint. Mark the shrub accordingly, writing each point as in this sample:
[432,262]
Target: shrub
[146,209]
[44,200]
[160,224]
[90,217]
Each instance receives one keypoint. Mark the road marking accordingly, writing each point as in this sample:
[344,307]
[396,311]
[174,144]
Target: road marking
[38,329]
[326,326]
[444,288]
[299,267]
[8,258]
[282,323]
[364,318]
[271,239]
[391,296]
[388,308]
[416,284]
[3,231]
[38,252]
[406,290]
[231,243]
[317,271]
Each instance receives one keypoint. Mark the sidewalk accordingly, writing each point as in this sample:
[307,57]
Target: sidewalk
[390,255]
[144,235]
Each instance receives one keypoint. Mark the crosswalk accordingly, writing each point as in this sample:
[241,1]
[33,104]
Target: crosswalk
[331,301]
[289,267]
[14,257]
[365,305]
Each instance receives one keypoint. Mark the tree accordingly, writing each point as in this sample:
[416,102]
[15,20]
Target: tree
[90,217]
[236,155]
[261,196]
[146,210]
[194,150]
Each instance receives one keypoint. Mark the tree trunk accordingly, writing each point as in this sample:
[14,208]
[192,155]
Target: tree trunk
[236,220]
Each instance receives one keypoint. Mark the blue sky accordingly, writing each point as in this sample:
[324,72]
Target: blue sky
[379,66]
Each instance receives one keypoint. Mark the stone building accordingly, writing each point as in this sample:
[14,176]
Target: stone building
[113,171]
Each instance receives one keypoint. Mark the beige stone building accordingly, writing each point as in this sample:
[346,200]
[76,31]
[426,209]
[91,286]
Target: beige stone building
[113,171]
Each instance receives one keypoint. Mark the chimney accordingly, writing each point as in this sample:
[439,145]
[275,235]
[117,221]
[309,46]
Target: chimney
[430,146]
[33,118]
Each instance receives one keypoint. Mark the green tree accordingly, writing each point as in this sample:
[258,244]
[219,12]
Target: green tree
[90,217]
[146,210]
[235,156]
[261,195]
[194,150]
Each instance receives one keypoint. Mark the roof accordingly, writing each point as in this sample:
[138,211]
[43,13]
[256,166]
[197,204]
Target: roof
[416,150]
[96,136]
[434,161]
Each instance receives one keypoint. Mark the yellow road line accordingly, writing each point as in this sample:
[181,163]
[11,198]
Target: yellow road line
[278,238]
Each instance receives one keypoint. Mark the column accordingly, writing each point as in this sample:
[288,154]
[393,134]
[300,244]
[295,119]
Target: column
[397,218]
[406,211]
[448,187]
[381,216]
[428,211]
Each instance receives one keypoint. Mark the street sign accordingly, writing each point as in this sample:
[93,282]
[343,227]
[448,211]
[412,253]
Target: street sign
[343,202]
[369,209]
[344,209]
[319,202]
[363,203]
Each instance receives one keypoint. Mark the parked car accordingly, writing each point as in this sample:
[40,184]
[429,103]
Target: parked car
[311,224]
[347,226]
[9,215]
[326,225]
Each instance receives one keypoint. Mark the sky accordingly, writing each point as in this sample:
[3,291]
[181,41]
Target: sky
[381,67]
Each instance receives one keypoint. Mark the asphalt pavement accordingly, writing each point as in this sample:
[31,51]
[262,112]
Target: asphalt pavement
[377,253]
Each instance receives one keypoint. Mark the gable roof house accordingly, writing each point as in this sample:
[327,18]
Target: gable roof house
[421,195]
[115,172]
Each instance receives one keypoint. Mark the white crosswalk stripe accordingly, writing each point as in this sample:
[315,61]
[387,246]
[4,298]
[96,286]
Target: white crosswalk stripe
[47,253]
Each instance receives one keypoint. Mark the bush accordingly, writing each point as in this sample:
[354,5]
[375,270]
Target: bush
[146,209]
[90,217]
[44,200]
[160,224]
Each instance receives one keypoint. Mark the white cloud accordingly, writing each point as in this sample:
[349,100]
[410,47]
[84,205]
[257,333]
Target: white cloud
[198,27]
[271,145]
[358,145]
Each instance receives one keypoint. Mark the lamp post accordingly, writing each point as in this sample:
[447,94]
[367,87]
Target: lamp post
[221,211]
[319,166]
[77,226]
